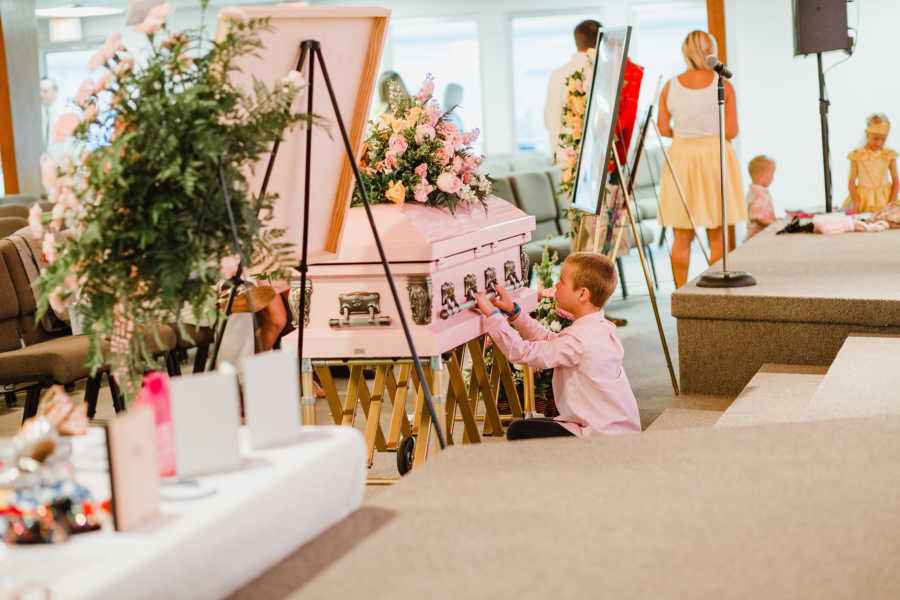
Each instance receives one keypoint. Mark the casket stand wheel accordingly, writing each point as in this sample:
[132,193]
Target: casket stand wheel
[405,454]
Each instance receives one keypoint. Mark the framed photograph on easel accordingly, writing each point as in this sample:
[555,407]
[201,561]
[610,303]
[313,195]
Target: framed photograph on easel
[598,136]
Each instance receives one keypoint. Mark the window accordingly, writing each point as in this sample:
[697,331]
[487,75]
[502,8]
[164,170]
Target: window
[657,38]
[449,51]
[540,46]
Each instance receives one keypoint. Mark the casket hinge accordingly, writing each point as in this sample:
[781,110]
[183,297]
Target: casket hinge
[419,288]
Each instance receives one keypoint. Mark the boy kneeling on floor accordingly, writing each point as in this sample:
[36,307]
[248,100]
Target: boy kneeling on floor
[590,388]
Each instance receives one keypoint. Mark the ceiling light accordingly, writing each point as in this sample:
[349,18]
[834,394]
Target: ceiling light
[69,12]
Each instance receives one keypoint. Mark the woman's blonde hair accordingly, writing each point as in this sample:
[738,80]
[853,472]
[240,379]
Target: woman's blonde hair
[696,47]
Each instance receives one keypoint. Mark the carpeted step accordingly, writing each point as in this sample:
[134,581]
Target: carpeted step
[776,394]
[684,418]
[863,380]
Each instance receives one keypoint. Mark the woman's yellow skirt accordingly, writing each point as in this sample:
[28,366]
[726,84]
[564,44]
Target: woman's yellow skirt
[696,160]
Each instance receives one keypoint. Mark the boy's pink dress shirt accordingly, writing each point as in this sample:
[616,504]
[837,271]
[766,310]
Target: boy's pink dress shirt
[590,388]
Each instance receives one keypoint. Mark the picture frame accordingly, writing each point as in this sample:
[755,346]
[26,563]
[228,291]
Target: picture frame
[601,116]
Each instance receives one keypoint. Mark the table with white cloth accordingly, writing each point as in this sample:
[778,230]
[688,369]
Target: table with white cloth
[214,534]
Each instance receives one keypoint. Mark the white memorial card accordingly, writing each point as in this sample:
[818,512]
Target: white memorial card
[133,468]
[206,418]
[272,398]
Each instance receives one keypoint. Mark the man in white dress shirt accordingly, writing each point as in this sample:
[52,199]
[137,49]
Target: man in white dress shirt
[51,109]
[585,39]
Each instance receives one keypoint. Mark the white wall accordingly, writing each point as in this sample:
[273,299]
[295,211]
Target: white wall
[778,94]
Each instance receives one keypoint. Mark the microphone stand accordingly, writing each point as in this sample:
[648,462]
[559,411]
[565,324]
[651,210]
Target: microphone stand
[724,278]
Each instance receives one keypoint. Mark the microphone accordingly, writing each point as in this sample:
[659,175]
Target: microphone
[713,62]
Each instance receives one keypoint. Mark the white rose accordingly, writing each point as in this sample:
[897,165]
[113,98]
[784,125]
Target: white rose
[555,326]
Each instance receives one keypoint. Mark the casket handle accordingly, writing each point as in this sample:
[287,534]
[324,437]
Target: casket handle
[449,311]
[366,303]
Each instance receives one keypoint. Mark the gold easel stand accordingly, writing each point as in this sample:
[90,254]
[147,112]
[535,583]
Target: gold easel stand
[452,393]
[634,231]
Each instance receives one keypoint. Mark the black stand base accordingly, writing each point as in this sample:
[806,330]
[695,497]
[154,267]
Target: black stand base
[726,279]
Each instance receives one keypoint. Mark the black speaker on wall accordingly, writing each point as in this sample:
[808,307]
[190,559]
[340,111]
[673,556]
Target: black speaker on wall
[820,26]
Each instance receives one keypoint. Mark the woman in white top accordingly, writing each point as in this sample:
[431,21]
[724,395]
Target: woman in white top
[688,112]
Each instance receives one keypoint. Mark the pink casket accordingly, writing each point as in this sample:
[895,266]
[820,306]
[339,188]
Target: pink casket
[437,259]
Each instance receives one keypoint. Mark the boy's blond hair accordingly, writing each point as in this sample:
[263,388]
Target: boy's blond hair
[696,47]
[596,273]
[759,164]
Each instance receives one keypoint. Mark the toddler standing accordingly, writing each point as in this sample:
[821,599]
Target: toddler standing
[759,200]
[870,187]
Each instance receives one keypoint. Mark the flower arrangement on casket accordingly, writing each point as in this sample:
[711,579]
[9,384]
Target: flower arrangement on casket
[414,153]
[147,229]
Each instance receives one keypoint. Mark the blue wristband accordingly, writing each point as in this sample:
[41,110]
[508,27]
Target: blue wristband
[495,312]
[512,313]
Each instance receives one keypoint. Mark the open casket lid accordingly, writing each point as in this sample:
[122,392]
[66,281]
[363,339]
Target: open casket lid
[351,39]
[414,232]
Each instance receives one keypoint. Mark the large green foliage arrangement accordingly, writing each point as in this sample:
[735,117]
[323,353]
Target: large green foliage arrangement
[144,220]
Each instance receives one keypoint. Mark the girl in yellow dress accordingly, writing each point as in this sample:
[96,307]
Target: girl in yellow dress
[870,188]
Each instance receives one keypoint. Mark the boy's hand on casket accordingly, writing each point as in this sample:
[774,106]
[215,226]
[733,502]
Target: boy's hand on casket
[483,304]
[503,300]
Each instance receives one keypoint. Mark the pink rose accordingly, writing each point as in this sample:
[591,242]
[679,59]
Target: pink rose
[65,127]
[466,178]
[71,282]
[48,248]
[471,163]
[90,113]
[390,162]
[549,292]
[457,163]
[125,65]
[421,191]
[448,128]
[68,199]
[160,12]
[397,144]
[443,156]
[35,220]
[185,60]
[84,92]
[101,84]
[449,148]
[422,170]
[48,172]
[424,132]
[57,303]
[113,42]
[56,216]
[448,182]
[148,27]
[229,265]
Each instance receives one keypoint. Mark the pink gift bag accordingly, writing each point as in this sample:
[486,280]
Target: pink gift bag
[155,394]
